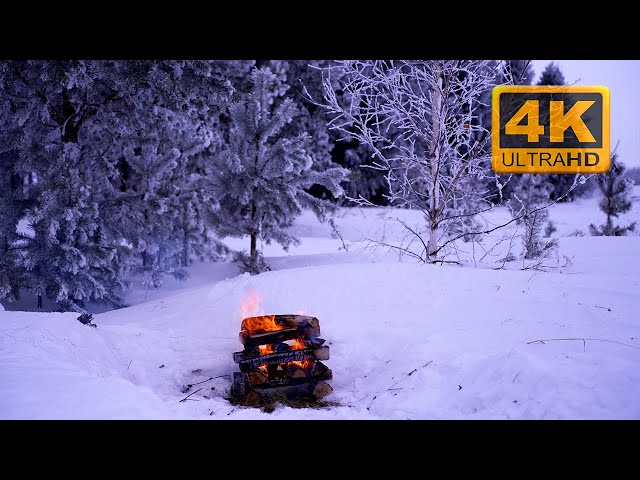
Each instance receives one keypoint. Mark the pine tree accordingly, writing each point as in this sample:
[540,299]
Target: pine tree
[533,244]
[616,190]
[11,211]
[69,124]
[529,195]
[551,75]
[530,192]
[259,179]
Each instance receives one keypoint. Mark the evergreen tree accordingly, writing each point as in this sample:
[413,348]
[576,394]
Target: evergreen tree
[616,190]
[528,196]
[11,211]
[551,75]
[533,244]
[69,124]
[530,192]
[259,179]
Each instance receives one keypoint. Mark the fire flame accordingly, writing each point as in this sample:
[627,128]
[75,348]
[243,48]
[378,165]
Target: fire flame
[304,364]
[254,321]
[298,344]
[251,305]
[261,324]
[266,349]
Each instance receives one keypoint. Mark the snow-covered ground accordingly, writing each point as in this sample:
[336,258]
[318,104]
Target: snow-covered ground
[407,340]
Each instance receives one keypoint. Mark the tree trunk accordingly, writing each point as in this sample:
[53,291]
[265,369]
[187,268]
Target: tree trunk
[435,168]
[254,252]
[254,235]
[39,301]
[185,251]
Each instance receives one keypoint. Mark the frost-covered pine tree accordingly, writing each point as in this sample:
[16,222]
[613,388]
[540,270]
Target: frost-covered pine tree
[67,253]
[69,124]
[527,203]
[418,119]
[616,190]
[530,192]
[12,210]
[259,179]
[161,204]
[533,244]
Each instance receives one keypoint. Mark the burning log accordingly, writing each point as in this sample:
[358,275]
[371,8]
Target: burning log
[269,323]
[286,381]
[249,339]
[314,344]
[295,371]
[247,364]
[256,377]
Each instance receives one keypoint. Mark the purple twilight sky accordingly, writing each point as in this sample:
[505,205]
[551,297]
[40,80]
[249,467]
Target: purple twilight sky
[622,77]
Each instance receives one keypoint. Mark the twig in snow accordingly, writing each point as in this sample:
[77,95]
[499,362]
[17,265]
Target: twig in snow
[210,378]
[584,341]
[392,387]
[595,306]
[129,364]
[187,397]
[604,308]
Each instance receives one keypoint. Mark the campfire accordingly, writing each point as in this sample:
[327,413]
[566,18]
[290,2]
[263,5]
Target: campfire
[281,358]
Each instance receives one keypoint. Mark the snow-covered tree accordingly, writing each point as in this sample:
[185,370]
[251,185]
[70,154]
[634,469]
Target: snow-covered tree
[69,124]
[616,190]
[259,179]
[533,244]
[417,117]
[528,200]
[530,192]
[12,210]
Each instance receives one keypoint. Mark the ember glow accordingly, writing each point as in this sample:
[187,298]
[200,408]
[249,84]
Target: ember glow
[303,364]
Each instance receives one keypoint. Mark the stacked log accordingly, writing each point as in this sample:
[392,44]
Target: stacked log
[282,357]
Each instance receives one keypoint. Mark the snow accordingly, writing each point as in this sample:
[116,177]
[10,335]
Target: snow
[407,340]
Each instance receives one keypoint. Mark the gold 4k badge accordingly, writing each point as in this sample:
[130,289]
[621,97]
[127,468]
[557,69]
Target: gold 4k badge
[550,129]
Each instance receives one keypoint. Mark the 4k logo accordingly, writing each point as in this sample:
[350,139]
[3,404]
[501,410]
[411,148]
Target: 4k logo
[550,129]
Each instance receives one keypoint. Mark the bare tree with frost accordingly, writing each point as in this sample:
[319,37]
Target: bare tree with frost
[418,119]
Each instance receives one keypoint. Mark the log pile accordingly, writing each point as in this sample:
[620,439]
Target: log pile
[282,357]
